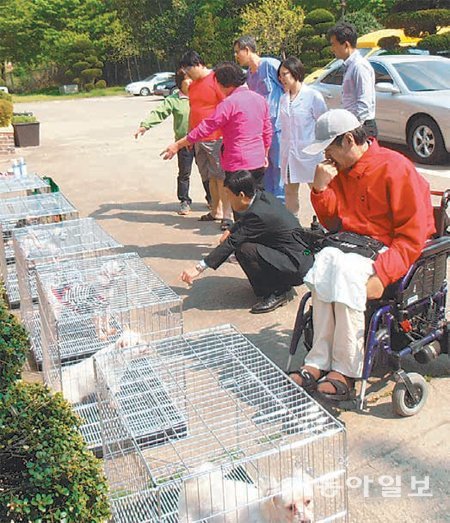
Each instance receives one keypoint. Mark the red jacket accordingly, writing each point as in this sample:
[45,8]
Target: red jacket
[382,196]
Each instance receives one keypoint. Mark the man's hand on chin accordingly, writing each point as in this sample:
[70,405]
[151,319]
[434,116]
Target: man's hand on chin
[374,287]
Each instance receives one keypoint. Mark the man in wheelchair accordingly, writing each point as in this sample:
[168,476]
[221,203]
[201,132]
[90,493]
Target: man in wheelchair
[372,191]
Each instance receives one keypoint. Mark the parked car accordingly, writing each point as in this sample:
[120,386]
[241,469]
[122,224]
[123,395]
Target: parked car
[413,102]
[367,45]
[165,88]
[4,89]
[147,86]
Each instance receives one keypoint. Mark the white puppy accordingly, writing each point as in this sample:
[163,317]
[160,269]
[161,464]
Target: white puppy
[78,380]
[211,494]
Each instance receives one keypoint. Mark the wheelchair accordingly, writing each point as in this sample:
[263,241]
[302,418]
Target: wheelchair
[409,319]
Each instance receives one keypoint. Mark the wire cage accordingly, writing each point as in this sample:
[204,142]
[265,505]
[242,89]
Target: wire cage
[203,426]
[52,243]
[20,212]
[13,186]
[96,304]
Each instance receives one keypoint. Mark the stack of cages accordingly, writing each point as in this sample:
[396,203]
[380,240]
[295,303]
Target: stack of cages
[16,213]
[13,185]
[204,427]
[44,244]
[98,305]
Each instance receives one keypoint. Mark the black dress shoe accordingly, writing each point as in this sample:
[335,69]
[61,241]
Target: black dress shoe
[270,303]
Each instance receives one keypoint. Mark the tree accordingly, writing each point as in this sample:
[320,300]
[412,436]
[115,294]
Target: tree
[274,24]
[315,48]
[419,17]
[364,22]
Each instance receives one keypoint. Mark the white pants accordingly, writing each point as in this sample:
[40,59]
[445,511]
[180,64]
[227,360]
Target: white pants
[338,342]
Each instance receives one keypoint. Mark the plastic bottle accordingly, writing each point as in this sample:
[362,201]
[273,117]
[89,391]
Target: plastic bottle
[23,167]
[15,168]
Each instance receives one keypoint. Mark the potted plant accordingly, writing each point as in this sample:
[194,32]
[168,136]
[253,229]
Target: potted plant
[26,129]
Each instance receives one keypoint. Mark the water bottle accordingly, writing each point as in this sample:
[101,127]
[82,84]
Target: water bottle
[15,168]
[23,167]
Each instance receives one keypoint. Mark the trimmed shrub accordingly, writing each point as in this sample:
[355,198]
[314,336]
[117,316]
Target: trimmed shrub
[315,43]
[318,16]
[436,43]
[389,42]
[46,472]
[89,86]
[6,111]
[101,84]
[306,30]
[364,21]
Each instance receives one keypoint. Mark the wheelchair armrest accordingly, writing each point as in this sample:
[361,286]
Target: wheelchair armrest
[435,246]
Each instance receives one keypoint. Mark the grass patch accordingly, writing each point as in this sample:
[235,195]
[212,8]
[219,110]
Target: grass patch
[55,95]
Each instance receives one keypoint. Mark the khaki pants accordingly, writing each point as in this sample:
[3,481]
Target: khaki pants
[338,342]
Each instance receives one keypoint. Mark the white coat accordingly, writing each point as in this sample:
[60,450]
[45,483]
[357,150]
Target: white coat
[298,120]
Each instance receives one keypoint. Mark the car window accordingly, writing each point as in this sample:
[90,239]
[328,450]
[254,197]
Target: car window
[335,77]
[151,77]
[425,75]
[381,73]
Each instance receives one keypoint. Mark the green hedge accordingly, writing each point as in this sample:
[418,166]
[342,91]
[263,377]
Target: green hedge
[46,472]
[436,43]
[47,475]
[14,346]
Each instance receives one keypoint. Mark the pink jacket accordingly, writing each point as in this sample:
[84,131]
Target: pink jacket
[247,132]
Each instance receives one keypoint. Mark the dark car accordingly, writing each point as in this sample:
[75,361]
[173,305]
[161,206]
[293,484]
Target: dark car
[165,88]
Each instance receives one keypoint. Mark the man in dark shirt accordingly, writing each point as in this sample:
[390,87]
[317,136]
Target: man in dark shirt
[267,243]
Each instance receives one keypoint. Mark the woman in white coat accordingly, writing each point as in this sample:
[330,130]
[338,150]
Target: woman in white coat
[300,107]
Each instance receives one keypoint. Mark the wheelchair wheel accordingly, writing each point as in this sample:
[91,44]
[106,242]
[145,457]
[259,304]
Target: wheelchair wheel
[403,403]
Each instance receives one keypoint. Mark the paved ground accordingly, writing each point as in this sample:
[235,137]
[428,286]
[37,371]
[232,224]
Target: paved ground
[88,148]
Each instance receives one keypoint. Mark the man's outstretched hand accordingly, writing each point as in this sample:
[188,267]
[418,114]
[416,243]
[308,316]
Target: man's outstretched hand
[139,132]
[190,275]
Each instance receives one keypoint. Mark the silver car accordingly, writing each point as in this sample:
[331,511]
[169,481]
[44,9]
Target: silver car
[413,102]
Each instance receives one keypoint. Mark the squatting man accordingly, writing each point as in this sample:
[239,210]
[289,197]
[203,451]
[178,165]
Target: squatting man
[266,240]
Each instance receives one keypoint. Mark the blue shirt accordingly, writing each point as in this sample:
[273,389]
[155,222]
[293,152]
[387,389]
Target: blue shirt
[358,87]
[265,82]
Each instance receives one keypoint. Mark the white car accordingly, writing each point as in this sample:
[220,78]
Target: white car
[4,89]
[147,86]
[413,102]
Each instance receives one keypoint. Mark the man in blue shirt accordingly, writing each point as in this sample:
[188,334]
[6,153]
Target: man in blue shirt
[262,77]
[358,86]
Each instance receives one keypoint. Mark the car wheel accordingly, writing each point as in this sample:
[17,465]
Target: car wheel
[145,91]
[173,89]
[425,141]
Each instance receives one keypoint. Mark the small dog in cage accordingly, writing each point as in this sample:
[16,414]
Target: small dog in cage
[223,500]
[78,380]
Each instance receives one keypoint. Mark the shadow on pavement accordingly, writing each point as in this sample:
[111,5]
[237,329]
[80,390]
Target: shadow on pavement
[212,293]
[178,251]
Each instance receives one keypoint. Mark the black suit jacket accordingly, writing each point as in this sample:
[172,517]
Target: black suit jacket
[268,223]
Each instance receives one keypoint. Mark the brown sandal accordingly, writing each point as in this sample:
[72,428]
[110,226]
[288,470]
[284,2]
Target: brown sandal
[207,218]
[309,382]
[344,391]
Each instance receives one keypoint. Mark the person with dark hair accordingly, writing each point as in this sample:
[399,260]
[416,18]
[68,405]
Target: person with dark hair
[262,77]
[370,191]
[358,85]
[267,242]
[176,104]
[204,96]
[300,107]
[244,120]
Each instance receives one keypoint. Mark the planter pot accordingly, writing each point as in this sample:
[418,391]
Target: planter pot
[26,134]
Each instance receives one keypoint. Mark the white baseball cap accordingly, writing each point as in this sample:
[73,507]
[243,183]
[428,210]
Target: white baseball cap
[331,124]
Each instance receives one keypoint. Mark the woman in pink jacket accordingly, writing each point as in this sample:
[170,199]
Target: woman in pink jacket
[244,119]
